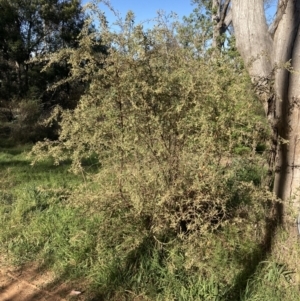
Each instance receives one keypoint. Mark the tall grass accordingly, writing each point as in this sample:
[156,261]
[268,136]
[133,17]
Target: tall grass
[39,222]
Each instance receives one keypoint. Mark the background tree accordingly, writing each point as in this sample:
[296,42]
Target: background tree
[12,51]
[217,17]
[30,29]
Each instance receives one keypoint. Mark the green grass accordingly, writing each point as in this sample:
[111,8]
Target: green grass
[23,174]
[272,279]
[39,222]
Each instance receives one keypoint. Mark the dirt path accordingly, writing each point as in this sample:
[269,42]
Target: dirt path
[32,284]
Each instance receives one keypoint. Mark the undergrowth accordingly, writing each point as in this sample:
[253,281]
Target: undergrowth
[40,223]
[169,200]
[117,258]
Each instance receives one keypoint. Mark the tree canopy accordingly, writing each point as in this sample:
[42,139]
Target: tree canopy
[30,29]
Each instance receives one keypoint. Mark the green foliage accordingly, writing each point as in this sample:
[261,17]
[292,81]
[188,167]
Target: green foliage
[196,30]
[203,27]
[30,29]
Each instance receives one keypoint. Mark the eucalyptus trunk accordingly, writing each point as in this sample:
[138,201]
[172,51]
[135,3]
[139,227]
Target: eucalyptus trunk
[266,52]
[221,20]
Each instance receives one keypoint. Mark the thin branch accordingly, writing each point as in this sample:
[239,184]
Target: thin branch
[224,11]
[228,18]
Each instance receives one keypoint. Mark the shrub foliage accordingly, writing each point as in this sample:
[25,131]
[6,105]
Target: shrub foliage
[174,134]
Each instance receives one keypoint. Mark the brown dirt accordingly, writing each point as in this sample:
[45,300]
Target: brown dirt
[30,283]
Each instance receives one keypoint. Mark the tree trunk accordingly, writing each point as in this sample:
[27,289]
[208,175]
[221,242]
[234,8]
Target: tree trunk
[220,22]
[265,53]
[217,28]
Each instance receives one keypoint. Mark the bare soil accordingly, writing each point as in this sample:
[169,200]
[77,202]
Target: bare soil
[30,283]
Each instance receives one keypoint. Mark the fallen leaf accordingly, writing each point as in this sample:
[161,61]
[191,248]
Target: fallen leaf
[75,293]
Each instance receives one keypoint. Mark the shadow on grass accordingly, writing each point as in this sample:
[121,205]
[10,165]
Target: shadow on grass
[89,164]
[258,255]
[122,279]
[24,170]
[15,150]
[43,169]
[15,163]
[36,167]
[10,147]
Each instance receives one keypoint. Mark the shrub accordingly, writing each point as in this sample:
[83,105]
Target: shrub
[164,124]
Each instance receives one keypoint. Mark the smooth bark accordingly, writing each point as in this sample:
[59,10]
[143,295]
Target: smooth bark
[266,52]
